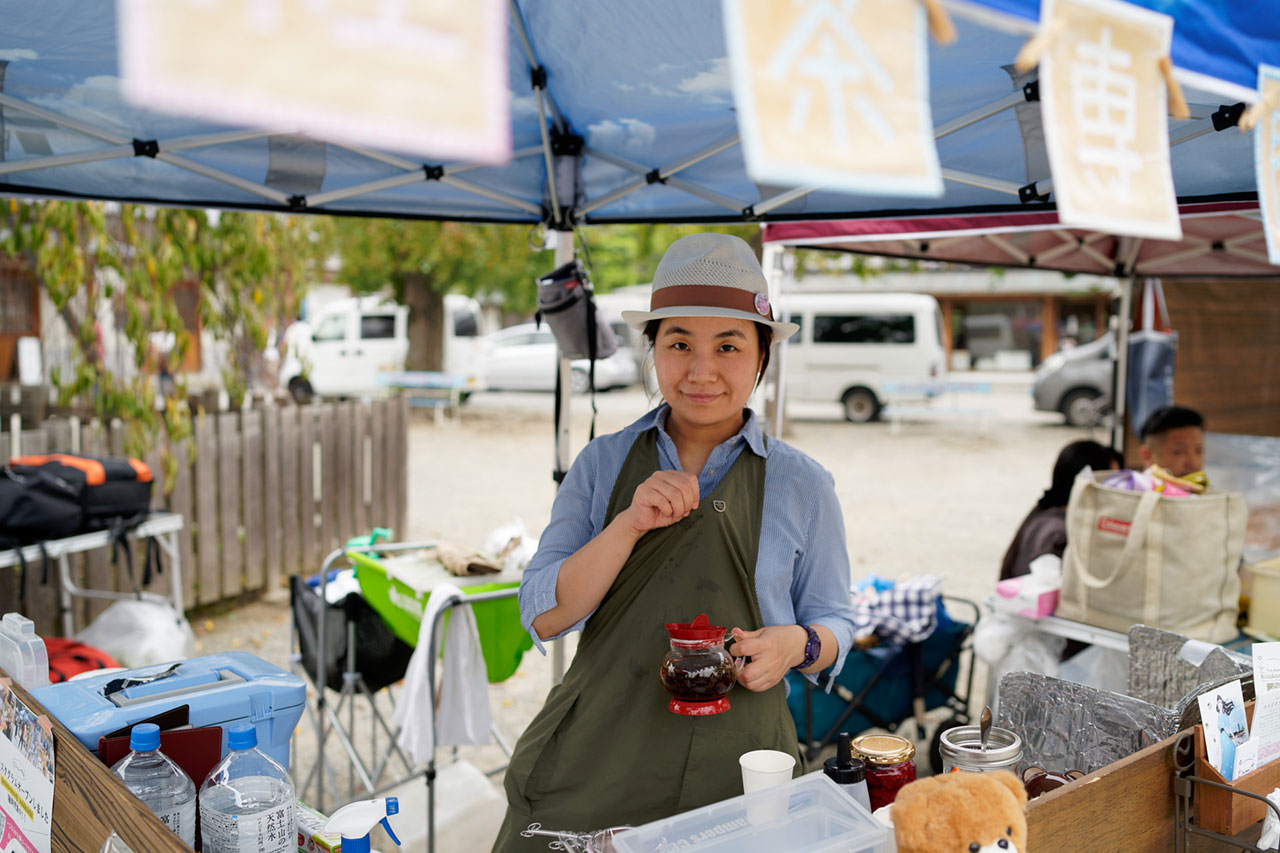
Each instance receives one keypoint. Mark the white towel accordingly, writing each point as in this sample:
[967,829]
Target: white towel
[462,715]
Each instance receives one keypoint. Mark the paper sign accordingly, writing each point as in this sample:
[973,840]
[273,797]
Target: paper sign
[26,777]
[1266,668]
[1105,120]
[1266,158]
[410,75]
[1222,714]
[834,93]
[1265,731]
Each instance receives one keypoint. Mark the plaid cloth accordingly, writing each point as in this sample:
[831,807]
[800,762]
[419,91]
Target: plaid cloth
[898,613]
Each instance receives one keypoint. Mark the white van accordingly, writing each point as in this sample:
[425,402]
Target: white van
[859,349]
[350,341]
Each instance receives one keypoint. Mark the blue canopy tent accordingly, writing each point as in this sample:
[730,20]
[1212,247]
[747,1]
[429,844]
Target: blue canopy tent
[621,112]
[628,106]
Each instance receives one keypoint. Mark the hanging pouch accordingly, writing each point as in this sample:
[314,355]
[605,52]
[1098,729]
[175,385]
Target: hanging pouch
[565,303]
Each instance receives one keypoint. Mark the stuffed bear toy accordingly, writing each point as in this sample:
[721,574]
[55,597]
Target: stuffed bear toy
[961,813]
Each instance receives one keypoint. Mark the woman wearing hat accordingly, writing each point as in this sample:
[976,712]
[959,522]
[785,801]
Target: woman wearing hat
[689,510]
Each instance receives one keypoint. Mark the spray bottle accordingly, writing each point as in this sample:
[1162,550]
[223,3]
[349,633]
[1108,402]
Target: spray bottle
[354,822]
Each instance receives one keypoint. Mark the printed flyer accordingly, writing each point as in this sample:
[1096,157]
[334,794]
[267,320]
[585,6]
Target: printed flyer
[26,776]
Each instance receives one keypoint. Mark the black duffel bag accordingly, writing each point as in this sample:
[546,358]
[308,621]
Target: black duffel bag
[110,488]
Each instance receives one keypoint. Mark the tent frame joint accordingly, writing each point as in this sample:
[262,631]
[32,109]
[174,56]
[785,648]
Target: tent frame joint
[565,144]
[1228,115]
[1029,193]
[146,148]
[538,78]
[297,202]
[433,173]
[1031,91]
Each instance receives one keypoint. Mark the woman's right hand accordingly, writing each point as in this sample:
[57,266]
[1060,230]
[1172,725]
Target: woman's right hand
[662,500]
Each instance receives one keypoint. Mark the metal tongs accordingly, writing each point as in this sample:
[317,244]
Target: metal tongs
[577,842]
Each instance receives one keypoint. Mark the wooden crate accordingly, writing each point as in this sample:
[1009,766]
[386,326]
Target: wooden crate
[1221,811]
[90,802]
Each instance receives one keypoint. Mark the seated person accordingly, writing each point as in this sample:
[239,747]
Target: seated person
[1173,446]
[1044,530]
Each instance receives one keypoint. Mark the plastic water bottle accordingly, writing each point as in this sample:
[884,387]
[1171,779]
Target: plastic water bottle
[247,802]
[157,781]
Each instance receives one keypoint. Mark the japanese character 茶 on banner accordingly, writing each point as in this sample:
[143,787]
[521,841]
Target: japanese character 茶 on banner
[1266,156]
[834,93]
[1103,99]
[26,776]
[417,76]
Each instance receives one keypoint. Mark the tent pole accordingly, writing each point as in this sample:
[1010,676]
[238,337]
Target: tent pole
[778,262]
[1120,371]
[564,254]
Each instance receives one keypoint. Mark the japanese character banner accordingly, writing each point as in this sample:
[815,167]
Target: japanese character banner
[406,75]
[1106,127]
[1266,157]
[834,93]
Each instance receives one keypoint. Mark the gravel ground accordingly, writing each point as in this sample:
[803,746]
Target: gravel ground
[936,489]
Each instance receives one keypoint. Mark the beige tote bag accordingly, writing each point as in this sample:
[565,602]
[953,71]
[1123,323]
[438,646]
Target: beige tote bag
[1140,558]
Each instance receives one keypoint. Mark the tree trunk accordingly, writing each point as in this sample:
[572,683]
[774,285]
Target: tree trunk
[426,324]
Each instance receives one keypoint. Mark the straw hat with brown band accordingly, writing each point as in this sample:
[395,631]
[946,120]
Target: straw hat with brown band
[710,275]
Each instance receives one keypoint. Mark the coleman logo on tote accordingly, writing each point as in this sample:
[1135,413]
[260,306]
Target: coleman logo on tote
[1114,525]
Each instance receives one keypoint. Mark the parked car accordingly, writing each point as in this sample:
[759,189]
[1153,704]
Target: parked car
[523,358]
[350,341]
[1076,382]
[859,348]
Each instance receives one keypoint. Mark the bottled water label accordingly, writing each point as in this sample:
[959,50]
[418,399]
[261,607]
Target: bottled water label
[182,820]
[270,831]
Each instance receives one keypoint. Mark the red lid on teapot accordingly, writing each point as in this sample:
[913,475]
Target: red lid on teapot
[699,629]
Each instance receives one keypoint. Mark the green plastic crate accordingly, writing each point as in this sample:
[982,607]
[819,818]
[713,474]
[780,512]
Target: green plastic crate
[503,640]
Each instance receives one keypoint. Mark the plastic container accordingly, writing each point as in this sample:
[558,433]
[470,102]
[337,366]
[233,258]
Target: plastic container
[848,772]
[22,653]
[247,801]
[961,749]
[819,818]
[1264,597]
[155,779]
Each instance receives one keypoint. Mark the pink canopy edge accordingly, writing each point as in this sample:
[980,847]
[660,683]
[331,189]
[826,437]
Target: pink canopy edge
[1220,239]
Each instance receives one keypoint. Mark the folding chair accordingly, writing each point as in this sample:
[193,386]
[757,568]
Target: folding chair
[885,686]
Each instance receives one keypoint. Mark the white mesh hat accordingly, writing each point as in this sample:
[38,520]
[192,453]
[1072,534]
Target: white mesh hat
[710,275]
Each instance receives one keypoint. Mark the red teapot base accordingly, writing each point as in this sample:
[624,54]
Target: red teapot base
[699,709]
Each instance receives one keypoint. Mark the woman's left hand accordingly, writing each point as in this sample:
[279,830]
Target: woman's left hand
[773,649]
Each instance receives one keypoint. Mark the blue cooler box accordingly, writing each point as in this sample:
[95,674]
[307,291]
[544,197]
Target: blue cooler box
[220,690]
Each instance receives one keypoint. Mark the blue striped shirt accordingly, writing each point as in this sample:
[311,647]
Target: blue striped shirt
[802,569]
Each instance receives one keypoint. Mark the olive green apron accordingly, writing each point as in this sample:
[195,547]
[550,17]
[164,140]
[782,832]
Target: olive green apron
[604,750]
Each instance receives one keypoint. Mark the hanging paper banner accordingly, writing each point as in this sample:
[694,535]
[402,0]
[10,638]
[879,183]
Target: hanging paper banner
[1106,129]
[1266,157]
[834,94]
[416,76]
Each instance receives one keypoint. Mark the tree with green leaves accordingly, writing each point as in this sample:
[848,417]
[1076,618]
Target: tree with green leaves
[250,271]
[422,261]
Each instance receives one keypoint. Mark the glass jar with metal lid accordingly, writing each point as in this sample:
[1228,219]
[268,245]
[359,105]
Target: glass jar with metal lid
[890,764]
[961,749]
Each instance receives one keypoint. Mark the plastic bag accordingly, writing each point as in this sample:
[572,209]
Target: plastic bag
[512,545]
[140,633]
[1009,643]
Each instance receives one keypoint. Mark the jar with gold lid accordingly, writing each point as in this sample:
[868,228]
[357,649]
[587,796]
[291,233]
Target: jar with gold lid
[890,764]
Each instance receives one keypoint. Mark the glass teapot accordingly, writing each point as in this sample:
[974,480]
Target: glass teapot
[698,672]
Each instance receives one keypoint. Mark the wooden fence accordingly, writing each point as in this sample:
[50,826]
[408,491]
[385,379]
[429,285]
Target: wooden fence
[269,493]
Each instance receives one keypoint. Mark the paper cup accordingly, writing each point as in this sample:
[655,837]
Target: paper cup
[763,769]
